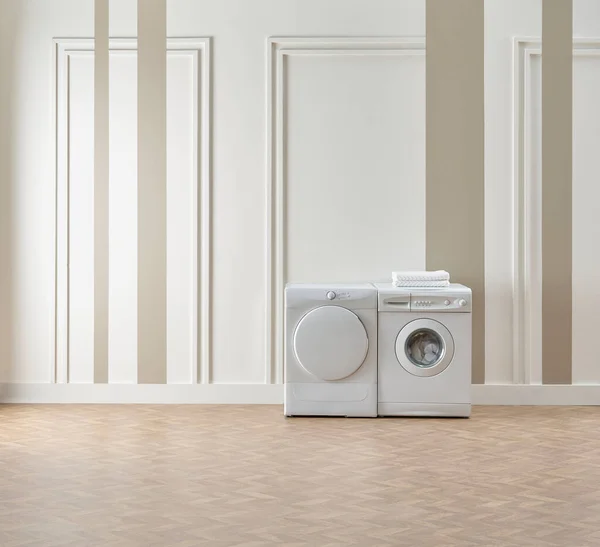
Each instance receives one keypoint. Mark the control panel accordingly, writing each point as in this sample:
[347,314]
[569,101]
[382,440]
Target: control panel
[351,296]
[337,295]
[439,303]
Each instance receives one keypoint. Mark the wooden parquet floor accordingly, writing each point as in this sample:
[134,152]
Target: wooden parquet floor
[191,476]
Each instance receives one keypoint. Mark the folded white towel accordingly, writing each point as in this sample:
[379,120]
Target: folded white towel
[440,278]
[422,284]
[440,275]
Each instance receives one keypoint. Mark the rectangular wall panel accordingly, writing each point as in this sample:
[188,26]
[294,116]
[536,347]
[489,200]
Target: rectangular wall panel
[557,165]
[354,166]
[123,240]
[455,152]
[346,166]
[532,211]
[181,218]
[586,212]
[152,192]
[188,175]
[585,264]
[81,219]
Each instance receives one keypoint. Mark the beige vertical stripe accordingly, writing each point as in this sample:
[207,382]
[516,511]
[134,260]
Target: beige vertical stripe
[557,169]
[455,152]
[101,76]
[152,192]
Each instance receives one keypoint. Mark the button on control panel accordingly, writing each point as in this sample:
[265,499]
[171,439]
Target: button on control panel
[338,295]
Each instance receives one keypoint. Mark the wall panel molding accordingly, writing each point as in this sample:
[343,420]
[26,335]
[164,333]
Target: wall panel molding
[278,49]
[238,394]
[547,395]
[527,318]
[199,49]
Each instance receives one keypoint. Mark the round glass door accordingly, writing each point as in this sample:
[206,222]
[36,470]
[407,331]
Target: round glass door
[330,343]
[424,347]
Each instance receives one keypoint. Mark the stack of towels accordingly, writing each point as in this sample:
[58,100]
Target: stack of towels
[441,278]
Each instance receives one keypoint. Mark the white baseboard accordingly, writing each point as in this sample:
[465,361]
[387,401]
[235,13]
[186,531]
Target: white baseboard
[242,394]
[536,395]
[265,394]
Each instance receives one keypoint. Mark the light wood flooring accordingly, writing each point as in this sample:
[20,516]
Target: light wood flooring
[246,476]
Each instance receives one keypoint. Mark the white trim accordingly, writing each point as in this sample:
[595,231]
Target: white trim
[502,395]
[552,395]
[522,307]
[199,49]
[278,48]
[527,368]
[205,227]
[61,282]
[54,282]
[518,262]
[142,393]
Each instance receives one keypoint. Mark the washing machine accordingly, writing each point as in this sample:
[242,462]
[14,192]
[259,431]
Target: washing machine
[424,341]
[330,355]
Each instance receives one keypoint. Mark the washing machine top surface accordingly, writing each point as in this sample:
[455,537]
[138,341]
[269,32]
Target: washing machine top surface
[453,298]
[451,289]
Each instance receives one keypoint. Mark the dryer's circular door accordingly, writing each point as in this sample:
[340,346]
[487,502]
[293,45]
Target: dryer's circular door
[424,347]
[330,342]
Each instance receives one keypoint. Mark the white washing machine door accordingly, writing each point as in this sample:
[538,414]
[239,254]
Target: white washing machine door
[330,342]
[424,347]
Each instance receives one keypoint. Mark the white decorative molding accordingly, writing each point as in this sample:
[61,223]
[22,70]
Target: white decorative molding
[551,395]
[200,51]
[239,394]
[527,365]
[523,50]
[278,49]
[502,395]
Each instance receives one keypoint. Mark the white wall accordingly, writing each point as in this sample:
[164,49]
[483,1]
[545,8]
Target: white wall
[353,128]
[504,20]
[386,154]
[586,193]
[371,172]
[28,180]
